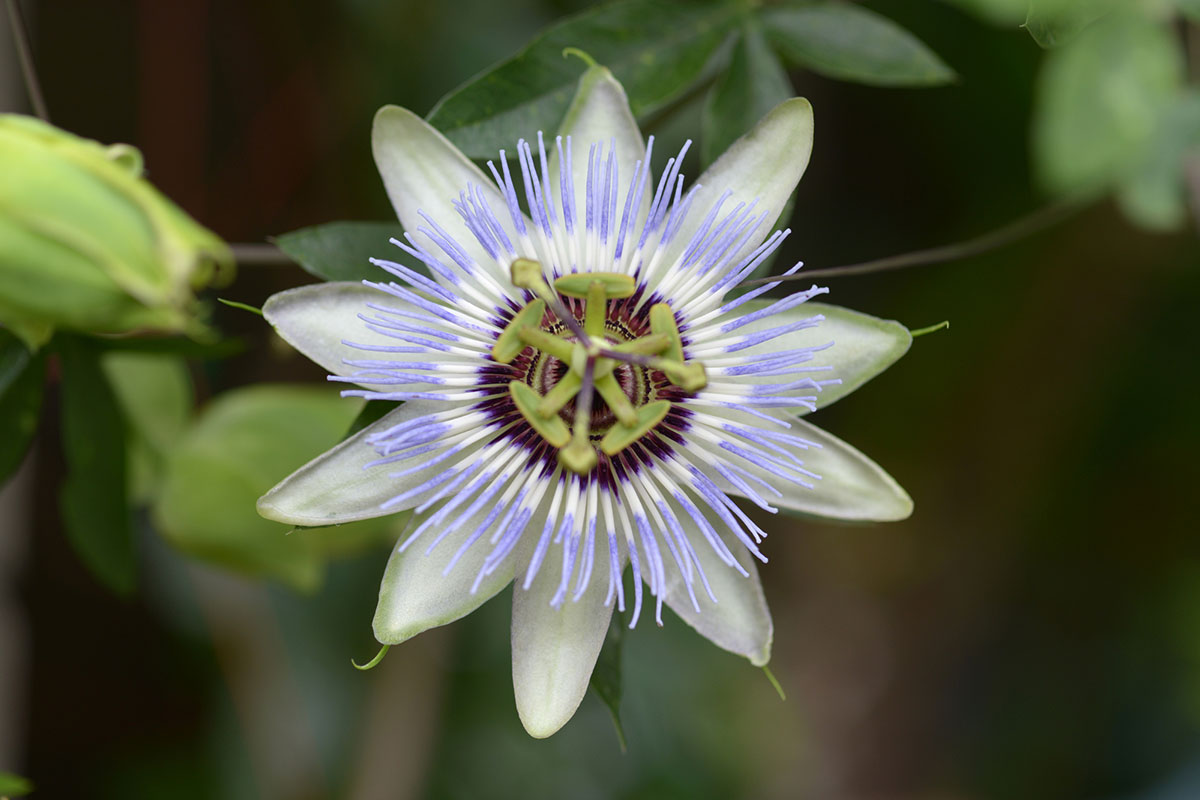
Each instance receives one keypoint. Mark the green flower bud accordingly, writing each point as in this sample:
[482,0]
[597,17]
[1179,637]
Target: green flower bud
[86,243]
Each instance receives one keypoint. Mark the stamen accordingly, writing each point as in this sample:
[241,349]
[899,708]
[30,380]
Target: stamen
[552,429]
[662,321]
[509,343]
[614,395]
[561,394]
[616,285]
[580,456]
[547,342]
[527,274]
[621,436]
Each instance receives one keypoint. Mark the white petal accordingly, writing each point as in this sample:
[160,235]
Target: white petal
[862,346]
[765,164]
[319,319]
[423,171]
[338,486]
[415,595]
[739,621]
[599,114]
[852,487]
[554,649]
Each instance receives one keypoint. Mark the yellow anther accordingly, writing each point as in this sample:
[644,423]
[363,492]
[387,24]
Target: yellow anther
[662,320]
[621,436]
[689,375]
[552,429]
[509,343]
[527,274]
[577,284]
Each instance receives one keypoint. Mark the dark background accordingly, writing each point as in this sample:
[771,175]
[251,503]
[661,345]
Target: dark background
[1032,631]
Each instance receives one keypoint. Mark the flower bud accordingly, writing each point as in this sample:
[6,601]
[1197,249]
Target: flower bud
[87,244]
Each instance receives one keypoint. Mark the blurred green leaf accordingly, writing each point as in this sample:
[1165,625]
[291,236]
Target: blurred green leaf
[1101,100]
[1154,195]
[14,785]
[850,43]
[657,49]
[242,444]
[753,84]
[1189,8]
[606,677]
[1052,23]
[155,395]
[95,505]
[177,346]
[341,251]
[22,376]
[997,12]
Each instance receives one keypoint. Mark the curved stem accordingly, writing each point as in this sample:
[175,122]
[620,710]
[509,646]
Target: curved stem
[25,57]
[992,240]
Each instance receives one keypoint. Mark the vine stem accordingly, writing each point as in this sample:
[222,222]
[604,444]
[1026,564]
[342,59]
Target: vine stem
[25,57]
[269,255]
[1012,232]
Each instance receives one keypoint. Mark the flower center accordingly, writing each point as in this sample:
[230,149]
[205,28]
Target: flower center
[590,383]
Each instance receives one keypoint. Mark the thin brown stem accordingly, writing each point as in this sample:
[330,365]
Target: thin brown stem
[256,254]
[992,240]
[25,57]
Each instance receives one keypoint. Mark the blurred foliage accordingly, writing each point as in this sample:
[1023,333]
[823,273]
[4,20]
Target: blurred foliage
[238,449]
[1114,113]
[846,42]
[1031,633]
[94,500]
[340,251]
[14,785]
[21,378]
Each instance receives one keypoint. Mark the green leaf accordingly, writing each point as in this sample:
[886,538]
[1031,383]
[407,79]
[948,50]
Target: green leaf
[1100,102]
[1052,23]
[657,49]
[997,12]
[850,43]
[606,677]
[753,84]
[341,251]
[155,396]
[22,376]
[14,785]
[235,452]
[95,505]
[1154,195]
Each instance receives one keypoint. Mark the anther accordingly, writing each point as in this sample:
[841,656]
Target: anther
[509,343]
[578,284]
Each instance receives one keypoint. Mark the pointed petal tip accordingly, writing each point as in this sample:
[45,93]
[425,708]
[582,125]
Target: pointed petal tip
[390,635]
[542,725]
[762,656]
